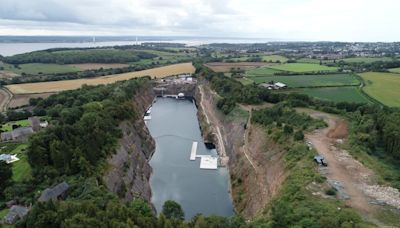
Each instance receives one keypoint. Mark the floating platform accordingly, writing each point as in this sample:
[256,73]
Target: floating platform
[193,152]
[208,162]
[147,118]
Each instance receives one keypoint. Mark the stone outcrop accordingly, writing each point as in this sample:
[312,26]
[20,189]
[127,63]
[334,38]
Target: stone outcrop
[129,171]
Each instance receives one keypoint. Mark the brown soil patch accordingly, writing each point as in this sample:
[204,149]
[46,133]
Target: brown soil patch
[23,99]
[226,67]
[340,131]
[96,66]
[7,74]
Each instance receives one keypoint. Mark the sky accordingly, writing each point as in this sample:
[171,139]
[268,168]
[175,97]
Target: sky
[309,20]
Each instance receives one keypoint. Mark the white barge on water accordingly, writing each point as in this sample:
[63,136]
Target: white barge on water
[207,161]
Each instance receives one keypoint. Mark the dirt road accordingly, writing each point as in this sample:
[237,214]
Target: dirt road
[349,176]
[5,98]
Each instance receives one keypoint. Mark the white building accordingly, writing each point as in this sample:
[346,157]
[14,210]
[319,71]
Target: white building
[8,158]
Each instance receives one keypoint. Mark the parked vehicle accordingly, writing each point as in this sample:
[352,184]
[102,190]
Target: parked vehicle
[320,160]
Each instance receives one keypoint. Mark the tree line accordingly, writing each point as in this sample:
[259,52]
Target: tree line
[80,56]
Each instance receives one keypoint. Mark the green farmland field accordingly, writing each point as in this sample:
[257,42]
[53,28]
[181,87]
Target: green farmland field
[36,68]
[395,70]
[366,59]
[384,87]
[315,61]
[311,80]
[336,94]
[266,58]
[261,71]
[303,67]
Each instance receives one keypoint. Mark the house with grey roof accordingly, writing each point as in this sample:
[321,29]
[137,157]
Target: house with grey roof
[6,136]
[21,133]
[55,193]
[16,212]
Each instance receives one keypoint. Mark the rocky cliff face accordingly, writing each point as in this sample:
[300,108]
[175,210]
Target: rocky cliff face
[256,175]
[129,170]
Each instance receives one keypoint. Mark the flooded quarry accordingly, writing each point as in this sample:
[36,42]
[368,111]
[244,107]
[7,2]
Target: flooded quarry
[184,169]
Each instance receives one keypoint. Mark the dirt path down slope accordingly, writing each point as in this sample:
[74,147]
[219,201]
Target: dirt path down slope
[349,176]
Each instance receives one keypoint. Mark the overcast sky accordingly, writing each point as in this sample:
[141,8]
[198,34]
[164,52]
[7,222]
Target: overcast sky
[331,20]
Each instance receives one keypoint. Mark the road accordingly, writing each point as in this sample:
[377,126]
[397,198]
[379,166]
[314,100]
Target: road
[355,178]
[5,98]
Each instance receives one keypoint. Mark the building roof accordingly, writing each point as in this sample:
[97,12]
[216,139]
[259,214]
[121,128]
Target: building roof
[280,84]
[35,122]
[5,136]
[53,193]
[8,158]
[21,132]
[16,212]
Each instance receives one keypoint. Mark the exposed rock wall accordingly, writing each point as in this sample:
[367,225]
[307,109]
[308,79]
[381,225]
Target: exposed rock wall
[129,170]
[252,185]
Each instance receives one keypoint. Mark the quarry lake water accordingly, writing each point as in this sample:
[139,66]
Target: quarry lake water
[174,126]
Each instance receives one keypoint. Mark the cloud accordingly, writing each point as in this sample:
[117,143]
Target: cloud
[284,19]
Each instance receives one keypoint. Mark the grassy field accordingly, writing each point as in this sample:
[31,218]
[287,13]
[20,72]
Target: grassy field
[384,87]
[311,80]
[336,94]
[366,59]
[245,81]
[56,86]
[8,126]
[261,71]
[303,67]
[314,61]
[95,66]
[395,70]
[266,58]
[21,169]
[36,68]
[226,67]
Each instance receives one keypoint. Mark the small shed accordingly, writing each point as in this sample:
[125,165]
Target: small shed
[280,85]
[16,212]
[35,123]
[57,192]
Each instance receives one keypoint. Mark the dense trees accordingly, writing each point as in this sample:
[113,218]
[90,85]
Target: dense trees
[173,210]
[84,128]
[5,176]
[80,56]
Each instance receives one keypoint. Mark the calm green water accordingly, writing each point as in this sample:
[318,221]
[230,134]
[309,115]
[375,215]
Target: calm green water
[174,126]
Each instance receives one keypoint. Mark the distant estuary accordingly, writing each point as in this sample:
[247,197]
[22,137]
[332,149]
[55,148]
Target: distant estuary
[175,128]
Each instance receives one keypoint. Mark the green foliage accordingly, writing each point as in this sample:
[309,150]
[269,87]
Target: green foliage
[331,191]
[84,128]
[5,176]
[172,210]
[13,115]
[282,113]
[298,135]
[80,56]
[336,94]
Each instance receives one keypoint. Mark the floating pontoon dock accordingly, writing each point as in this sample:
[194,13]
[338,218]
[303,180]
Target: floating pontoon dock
[206,162]
[193,152]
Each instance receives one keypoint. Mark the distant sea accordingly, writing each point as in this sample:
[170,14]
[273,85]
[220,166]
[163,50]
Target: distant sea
[12,45]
